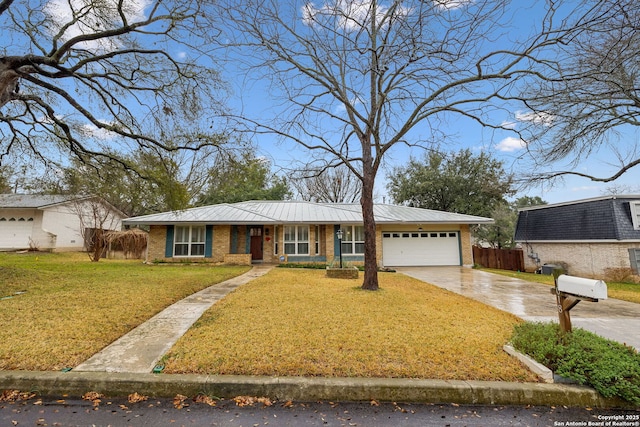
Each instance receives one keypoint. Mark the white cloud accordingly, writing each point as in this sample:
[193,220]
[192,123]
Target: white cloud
[510,144]
[349,15]
[508,124]
[537,118]
[92,131]
[91,16]
[451,4]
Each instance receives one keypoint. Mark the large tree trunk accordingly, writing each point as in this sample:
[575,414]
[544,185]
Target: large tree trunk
[370,261]
[8,84]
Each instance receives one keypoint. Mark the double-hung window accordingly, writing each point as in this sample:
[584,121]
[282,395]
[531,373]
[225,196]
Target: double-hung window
[296,240]
[353,239]
[189,241]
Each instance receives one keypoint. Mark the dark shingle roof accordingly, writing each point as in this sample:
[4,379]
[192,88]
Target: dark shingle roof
[604,218]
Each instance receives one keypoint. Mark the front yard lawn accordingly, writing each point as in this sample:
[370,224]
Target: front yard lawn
[622,291]
[57,310]
[298,322]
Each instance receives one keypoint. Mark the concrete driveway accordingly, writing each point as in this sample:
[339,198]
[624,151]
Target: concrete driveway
[611,318]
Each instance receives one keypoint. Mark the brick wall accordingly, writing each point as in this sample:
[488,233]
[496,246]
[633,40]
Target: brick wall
[221,242]
[582,259]
[466,245]
[156,243]
[237,259]
[158,238]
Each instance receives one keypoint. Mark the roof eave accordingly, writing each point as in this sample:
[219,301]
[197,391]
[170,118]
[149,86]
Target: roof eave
[190,222]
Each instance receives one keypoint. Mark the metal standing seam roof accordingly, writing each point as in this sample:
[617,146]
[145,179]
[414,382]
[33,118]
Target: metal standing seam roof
[296,212]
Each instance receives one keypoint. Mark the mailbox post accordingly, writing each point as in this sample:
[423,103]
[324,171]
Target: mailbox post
[569,291]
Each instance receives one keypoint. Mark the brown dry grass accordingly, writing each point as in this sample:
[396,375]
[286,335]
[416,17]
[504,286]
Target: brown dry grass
[295,322]
[73,308]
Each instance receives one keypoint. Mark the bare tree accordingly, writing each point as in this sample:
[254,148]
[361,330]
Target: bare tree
[96,218]
[588,94]
[335,185]
[82,77]
[360,77]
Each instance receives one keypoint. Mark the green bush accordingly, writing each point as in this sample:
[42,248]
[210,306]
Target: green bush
[317,266]
[611,368]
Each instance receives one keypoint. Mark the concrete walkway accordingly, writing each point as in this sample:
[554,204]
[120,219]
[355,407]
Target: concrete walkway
[140,350]
[613,319]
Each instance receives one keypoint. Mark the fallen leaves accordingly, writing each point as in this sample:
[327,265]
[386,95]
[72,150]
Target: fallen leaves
[208,400]
[15,395]
[251,400]
[179,401]
[94,397]
[135,398]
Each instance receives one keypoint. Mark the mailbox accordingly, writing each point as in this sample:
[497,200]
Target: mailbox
[582,287]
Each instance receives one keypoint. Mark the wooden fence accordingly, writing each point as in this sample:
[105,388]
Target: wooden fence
[503,259]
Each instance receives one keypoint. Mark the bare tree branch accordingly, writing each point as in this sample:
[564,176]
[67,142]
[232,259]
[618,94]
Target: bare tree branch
[106,74]
[589,95]
[359,78]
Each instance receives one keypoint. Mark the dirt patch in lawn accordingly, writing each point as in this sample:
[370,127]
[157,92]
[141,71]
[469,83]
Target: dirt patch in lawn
[298,322]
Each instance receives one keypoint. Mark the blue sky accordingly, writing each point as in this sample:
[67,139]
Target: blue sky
[252,97]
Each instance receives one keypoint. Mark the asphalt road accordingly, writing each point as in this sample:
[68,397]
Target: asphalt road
[167,412]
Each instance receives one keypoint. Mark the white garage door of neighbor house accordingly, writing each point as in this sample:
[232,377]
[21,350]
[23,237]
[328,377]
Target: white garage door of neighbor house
[15,234]
[423,248]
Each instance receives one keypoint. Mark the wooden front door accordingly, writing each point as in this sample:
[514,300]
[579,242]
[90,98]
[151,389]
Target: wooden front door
[256,243]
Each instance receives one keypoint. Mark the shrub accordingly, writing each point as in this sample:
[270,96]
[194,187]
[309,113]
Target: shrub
[621,275]
[316,266]
[611,368]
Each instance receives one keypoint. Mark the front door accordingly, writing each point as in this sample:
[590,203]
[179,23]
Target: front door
[256,243]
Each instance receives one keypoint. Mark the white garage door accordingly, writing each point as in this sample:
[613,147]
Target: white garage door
[14,233]
[428,248]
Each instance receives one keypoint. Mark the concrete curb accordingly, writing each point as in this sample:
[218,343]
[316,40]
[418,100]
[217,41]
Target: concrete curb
[537,368]
[308,389]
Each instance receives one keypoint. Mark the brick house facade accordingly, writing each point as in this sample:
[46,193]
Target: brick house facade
[228,252]
[303,232]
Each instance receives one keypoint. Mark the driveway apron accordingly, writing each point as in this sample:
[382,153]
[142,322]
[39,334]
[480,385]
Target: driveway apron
[140,350]
[611,318]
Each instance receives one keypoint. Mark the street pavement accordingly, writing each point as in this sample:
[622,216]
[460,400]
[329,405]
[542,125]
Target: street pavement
[175,412]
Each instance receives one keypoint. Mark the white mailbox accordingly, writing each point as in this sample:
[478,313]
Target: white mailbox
[580,286]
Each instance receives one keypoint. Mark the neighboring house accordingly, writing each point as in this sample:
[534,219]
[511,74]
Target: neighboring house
[53,223]
[305,232]
[594,237]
